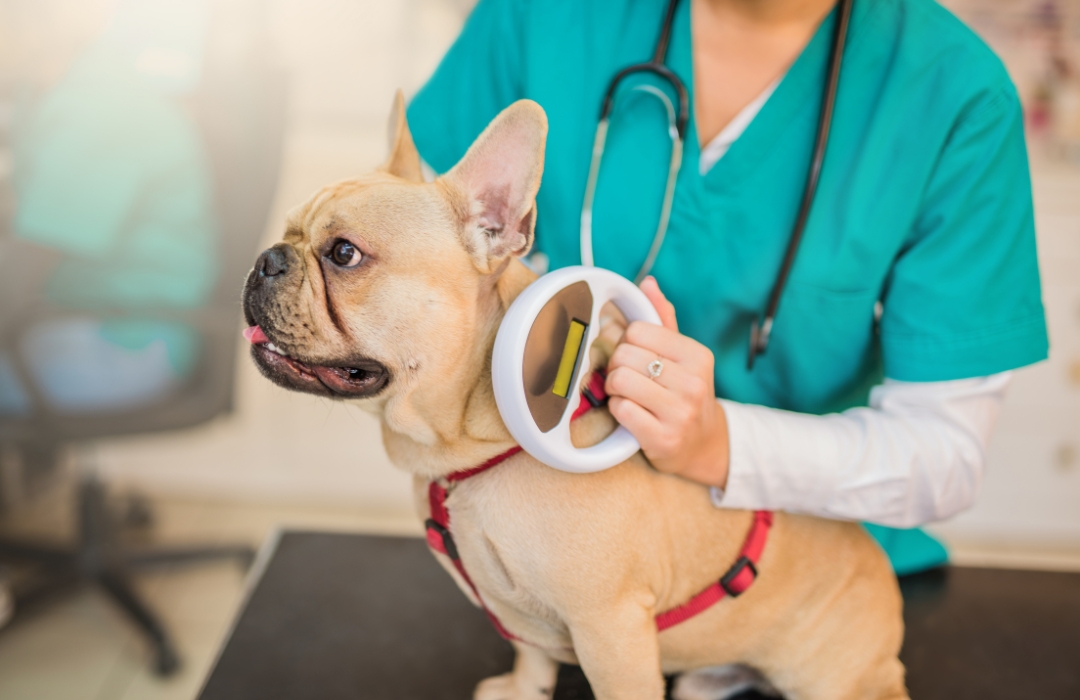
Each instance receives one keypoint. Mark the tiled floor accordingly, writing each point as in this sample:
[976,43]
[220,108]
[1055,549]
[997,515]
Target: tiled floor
[80,647]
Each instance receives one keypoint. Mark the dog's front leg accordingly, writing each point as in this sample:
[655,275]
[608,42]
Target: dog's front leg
[620,653]
[533,677]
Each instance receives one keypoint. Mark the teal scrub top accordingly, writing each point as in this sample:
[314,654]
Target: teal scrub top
[924,203]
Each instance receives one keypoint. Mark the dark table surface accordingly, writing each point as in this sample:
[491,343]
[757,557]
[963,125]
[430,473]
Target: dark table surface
[362,617]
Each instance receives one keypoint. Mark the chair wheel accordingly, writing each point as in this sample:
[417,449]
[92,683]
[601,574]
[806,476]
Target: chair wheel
[246,559]
[166,663]
[7,604]
[136,513]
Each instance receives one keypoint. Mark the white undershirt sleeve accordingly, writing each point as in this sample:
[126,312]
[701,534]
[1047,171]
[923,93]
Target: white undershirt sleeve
[915,456]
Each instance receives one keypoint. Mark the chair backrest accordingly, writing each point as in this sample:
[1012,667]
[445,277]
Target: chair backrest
[240,108]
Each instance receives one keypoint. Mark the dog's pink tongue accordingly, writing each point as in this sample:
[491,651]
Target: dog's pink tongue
[255,335]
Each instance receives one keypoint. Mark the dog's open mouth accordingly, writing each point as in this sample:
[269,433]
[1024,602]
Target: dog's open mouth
[360,378]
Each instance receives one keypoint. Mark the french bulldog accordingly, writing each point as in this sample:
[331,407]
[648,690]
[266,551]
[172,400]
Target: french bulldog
[388,291]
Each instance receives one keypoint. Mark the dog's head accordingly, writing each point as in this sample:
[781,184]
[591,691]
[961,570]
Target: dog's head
[387,281]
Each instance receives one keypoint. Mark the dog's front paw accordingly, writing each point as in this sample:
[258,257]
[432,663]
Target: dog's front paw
[720,683]
[508,687]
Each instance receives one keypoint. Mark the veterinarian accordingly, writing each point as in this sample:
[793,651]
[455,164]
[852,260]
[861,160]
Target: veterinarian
[914,290]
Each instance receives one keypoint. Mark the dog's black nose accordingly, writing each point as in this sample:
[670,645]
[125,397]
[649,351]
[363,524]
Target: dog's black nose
[272,262]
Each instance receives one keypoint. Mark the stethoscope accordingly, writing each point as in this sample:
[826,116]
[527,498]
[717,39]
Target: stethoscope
[760,329]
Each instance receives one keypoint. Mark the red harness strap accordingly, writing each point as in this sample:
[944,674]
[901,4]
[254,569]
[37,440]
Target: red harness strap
[440,539]
[737,579]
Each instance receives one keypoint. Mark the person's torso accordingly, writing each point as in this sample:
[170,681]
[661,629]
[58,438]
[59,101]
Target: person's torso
[899,97]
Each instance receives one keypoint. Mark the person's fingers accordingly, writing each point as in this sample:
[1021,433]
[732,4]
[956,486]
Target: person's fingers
[644,426]
[672,376]
[665,404]
[664,342]
[665,308]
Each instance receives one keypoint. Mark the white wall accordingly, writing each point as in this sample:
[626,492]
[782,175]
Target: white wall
[1032,486]
[346,59]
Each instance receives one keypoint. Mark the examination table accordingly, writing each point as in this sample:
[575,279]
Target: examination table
[357,617]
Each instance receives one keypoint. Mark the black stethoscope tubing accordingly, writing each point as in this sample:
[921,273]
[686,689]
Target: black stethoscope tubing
[761,328]
[759,334]
[657,67]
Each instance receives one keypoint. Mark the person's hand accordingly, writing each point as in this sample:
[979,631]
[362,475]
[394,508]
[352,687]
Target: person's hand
[676,418]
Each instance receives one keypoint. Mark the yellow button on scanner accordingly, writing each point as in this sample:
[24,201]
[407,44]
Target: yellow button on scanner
[570,356]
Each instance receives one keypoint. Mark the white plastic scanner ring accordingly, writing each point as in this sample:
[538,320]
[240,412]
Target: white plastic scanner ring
[541,358]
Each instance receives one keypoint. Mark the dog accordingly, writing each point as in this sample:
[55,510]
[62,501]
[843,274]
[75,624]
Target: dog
[388,291]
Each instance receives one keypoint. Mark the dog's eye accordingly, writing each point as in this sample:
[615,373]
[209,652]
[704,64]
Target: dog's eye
[345,254]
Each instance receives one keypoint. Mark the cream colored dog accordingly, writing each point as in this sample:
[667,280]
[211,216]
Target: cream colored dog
[390,290]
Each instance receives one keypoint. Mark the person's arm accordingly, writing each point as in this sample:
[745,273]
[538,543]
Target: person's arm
[962,300]
[915,456]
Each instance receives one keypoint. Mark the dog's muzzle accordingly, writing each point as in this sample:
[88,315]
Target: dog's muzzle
[350,378]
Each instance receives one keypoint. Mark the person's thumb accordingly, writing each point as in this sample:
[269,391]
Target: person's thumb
[660,303]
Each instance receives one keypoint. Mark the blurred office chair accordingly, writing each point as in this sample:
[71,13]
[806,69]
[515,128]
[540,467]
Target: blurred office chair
[240,108]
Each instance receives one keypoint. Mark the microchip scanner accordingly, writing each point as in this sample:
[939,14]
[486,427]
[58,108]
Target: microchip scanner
[541,357]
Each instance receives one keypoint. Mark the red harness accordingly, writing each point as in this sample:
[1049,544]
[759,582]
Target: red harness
[738,578]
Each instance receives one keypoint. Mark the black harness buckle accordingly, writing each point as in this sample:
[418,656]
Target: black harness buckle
[445,536]
[733,572]
[593,401]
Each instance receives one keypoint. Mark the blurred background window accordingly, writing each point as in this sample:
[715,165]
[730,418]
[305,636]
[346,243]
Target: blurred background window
[113,185]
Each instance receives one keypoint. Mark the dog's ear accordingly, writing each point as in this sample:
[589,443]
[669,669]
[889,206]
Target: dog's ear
[500,176]
[404,160]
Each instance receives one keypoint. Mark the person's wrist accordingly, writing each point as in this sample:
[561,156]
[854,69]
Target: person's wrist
[711,469]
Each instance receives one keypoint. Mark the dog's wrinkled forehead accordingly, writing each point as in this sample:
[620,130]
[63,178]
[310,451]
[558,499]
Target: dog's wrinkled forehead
[326,207]
[376,209]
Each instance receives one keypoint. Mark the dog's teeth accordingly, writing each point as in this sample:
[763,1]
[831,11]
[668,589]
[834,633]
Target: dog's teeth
[274,349]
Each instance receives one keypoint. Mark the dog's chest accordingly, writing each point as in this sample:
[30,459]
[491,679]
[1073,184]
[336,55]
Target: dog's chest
[494,546]
[507,553]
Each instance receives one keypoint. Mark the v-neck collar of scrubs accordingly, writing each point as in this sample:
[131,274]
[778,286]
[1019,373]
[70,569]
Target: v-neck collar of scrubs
[714,150]
[794,93]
